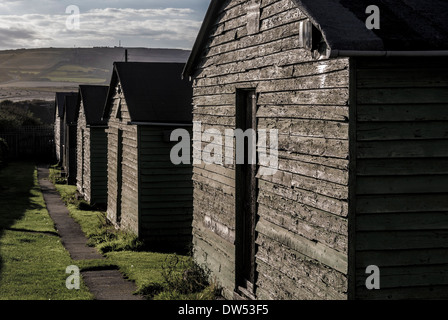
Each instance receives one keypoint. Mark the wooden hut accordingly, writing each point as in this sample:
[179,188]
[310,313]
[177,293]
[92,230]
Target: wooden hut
[91,177]
[70,132]
[147,194]
[59,123]
[362,123]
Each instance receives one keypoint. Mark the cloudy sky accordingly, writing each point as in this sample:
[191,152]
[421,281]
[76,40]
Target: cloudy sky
[136,23]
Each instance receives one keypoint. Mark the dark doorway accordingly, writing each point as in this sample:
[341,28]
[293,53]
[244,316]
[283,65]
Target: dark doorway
[119,174]
[246,195]
[83,162]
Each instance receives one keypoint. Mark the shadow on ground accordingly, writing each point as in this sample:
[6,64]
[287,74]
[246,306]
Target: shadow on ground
[16,183]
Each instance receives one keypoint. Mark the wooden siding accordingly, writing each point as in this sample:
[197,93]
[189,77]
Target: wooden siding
[165,192]
[83,174]
[92,161]
[98,165]
[302,210]
[119,118]
[58,132]
[402,177]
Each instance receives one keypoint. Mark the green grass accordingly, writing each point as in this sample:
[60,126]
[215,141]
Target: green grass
[32,258]
[158,276]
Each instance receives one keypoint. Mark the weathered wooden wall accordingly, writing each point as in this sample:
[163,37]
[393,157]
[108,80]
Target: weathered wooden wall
[83,156]
[302,210]
[58,136]
[98,165]
[92,161]
[129,163]
[165,193]
[402,177]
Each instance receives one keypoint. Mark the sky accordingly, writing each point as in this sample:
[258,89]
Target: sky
[133,23]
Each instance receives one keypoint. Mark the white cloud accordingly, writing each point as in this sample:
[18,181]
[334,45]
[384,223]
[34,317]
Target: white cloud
[153,27]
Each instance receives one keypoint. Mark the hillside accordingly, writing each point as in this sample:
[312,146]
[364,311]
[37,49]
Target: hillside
[27,74]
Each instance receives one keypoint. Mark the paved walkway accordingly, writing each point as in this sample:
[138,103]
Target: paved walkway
[103,284]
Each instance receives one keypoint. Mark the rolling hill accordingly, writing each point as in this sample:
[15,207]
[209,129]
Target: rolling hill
[27,74]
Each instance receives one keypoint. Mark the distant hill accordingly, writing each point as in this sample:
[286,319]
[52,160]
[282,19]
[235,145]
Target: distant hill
[27,74]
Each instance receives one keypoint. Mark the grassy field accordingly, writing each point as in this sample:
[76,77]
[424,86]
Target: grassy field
[32,258]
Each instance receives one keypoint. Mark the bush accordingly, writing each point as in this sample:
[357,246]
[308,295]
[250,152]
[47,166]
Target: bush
[185,279]
[15,115]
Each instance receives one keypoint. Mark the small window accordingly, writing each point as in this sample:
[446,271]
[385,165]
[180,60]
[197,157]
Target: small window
[118,110]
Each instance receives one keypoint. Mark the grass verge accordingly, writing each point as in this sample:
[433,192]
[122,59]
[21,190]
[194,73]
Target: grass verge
[158,276]
[32,259]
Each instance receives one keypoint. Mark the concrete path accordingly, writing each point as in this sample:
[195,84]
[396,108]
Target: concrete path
[103,284]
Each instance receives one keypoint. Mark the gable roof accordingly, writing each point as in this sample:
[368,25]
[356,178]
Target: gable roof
[405,26]
[70,104]
[154,92]
[93,98]
[59,103]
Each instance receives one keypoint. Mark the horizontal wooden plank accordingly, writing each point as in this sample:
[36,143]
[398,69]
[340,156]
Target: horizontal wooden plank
[287,30]
[402,184]
[402,149]
[215,184]
[168,171]
[374,131]
[295,215]
[401,63]
[314,170]
[408,257]
[291,180]
[245,54]
[314,200]
[406,167]
[306,229]
[402,203]
[335,113]
[314,250]
[283,287]
[402,77]
[166,227]
[402,221]
[164,204]
[402,112]
[333,97]
[402,95]
[408,293]
[408,276]
[314,146]
[214,176]
[322,281]
[414,239]
[340,164]
[221,265]
[306,128]
[174,192]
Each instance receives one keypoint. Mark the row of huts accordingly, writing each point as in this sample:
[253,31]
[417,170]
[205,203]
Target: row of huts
[114,144]
[362,120]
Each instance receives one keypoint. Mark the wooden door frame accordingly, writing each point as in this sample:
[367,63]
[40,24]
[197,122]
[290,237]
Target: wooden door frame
[245,276]
[119,176]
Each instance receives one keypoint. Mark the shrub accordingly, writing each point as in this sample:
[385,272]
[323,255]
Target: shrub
[185,278]
[15,115]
